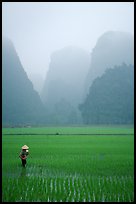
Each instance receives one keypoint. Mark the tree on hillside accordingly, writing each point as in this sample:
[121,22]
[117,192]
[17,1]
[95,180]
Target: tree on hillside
[111,98]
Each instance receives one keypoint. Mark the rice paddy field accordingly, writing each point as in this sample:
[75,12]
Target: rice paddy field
[69,164]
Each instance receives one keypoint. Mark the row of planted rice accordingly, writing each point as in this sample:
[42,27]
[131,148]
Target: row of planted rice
[69,169]
[68,189]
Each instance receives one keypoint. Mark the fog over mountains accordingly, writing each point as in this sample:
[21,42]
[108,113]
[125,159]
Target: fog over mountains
[112,48]
[66,76]
[21,104]
[111,97]
[71,74]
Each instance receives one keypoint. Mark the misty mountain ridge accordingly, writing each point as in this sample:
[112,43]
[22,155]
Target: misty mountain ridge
[111,97]
[70,77]
[21,104]
[112,48]
[65,78]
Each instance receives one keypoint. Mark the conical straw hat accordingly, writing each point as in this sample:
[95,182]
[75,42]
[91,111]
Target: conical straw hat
[25,147]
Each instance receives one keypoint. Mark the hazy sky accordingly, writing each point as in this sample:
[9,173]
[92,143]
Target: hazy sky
[39,28]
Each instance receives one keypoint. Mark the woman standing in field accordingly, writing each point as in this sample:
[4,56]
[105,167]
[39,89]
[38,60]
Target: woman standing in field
[23,154]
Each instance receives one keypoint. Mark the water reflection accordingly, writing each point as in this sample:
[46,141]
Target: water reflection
[23,172]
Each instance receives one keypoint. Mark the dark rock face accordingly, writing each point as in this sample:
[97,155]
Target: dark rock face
[111,98]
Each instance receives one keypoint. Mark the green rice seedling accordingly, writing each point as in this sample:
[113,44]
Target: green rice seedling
[69,167]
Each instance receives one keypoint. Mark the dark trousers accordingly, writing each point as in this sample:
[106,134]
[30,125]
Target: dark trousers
[23,162]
